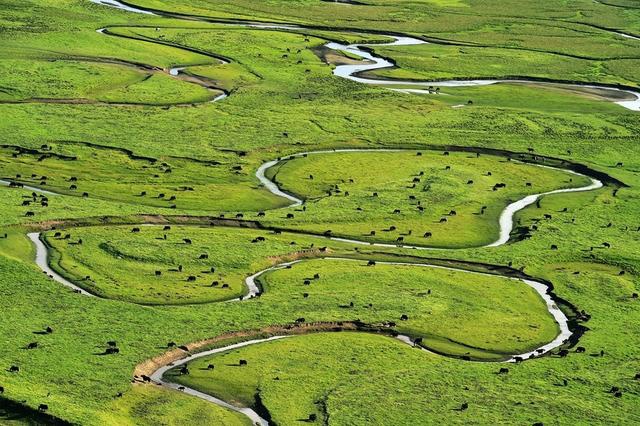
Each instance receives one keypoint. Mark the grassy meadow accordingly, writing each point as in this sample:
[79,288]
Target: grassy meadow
[409,195]
[122,264]
[85,112]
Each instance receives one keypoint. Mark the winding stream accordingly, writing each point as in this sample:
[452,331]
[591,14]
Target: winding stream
[540,288]
[352,72]
[42,260]
[506,217]
[28,188]
[543,290]
[158,375]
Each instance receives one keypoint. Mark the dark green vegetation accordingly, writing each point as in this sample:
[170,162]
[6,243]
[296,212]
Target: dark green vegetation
[104,109]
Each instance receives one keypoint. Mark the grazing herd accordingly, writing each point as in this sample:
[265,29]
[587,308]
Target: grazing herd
[416,180]
[113,349]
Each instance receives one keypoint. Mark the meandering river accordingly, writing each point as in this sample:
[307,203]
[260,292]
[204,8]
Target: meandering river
[374,62]
[353,73]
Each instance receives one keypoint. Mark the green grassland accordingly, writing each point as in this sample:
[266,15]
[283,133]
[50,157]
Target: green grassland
[166,182]
[79,82]
[441,62]
[348,377]
[465,306]
[417,16]
[278,107]
[122,264]
[339,188]
[146,405]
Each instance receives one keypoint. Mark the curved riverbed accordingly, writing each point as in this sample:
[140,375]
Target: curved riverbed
[351,72]
[42,256]
[375,62]
[506,217]
[28,188]
[158,375]
[42,260]
[542,289]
